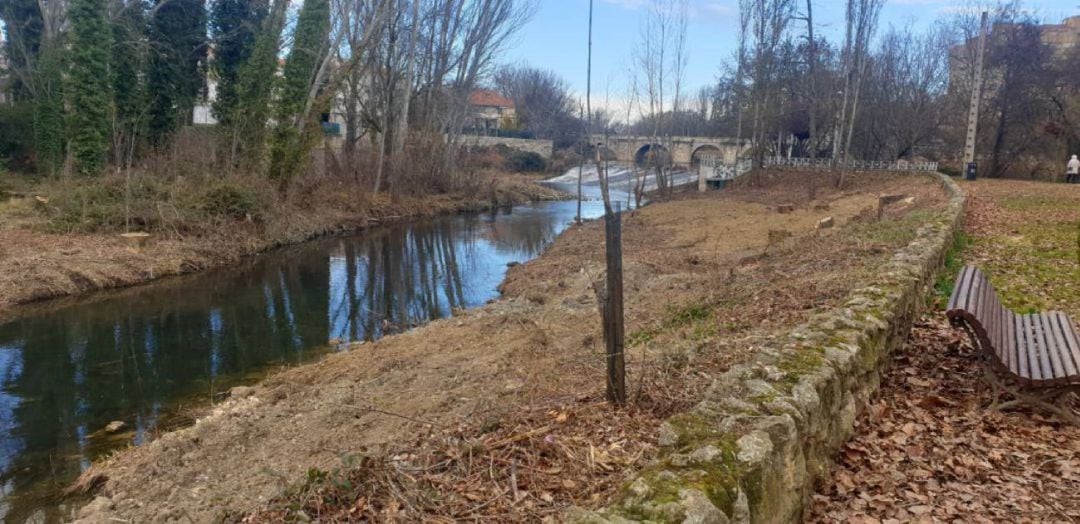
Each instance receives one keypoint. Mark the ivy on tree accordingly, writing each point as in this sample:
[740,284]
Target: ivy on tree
[234,25]
[177,38]
[91,91]
[292,138]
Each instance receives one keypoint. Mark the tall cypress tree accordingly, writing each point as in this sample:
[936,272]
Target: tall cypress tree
[91,91]
[255,86]
[234,25]
[128,59]
[49,109]
[293,136]
[177,37]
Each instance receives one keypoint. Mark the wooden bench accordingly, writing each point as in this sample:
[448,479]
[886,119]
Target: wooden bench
[1035,358]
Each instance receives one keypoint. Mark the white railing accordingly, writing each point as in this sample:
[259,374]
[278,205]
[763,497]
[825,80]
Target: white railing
[857,165]
[716,168]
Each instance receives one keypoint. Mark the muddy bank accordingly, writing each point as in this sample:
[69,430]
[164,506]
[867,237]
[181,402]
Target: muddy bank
[35,265]
[707,278]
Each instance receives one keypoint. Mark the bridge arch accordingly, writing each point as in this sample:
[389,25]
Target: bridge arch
[701,151]
[652,154]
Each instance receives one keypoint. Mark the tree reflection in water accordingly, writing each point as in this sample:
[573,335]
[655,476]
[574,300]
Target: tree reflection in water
[137,356]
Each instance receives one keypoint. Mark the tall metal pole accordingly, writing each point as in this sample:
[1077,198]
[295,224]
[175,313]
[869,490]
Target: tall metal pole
[976,96]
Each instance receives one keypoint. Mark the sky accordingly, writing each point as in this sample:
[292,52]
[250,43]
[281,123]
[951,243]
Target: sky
[556,37]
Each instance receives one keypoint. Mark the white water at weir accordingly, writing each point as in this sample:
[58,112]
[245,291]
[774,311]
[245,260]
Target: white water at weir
[621,177]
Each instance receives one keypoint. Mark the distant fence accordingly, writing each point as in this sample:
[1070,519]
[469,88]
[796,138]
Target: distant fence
[715,168]
[857,165]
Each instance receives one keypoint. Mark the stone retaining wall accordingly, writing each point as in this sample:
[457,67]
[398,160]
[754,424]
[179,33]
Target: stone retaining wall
[752,450]
[540,147]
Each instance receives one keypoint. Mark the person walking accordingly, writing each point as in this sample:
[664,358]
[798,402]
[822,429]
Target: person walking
[1072,171]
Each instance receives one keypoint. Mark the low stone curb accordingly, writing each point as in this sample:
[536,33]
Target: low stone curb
[753,448]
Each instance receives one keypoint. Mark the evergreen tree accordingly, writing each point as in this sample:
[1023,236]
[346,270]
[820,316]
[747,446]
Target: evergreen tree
[256,82]
[294,134]
[177,37]
[128,59]
[49,109]
[234,25]
[91,91]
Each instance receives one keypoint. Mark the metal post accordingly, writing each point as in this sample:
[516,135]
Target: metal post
[976,96]
[613,319]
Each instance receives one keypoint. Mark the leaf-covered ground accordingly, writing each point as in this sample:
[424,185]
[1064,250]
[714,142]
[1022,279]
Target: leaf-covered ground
[927,449]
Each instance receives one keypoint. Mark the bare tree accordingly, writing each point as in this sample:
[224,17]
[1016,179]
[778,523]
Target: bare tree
[860,22]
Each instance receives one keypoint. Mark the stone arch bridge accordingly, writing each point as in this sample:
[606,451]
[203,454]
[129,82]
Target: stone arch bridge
[682,150]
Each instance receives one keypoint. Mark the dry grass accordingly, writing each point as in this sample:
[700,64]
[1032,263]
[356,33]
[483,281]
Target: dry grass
[37,261]
[698,302]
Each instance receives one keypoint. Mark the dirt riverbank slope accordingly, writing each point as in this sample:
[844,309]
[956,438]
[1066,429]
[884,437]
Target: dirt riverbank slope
[36,265]
[706,278]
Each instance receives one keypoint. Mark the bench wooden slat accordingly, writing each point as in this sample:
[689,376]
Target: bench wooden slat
[1040,366]
[1054,347]
[1003,340]
[1060,355]
[1021,341]
[1010,343]
[1047,348]
[978,291]
[1074,346]
[999,325]
[960,290]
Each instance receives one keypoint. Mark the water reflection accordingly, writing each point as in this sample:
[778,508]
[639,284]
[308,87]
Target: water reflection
[137,356]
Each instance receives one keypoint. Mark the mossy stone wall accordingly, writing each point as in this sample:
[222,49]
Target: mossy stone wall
[767,430]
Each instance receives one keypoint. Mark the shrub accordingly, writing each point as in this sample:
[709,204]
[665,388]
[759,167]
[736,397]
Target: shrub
[153,203]
[526,161]
[230,199]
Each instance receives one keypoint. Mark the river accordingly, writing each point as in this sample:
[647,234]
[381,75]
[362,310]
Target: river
[144,357]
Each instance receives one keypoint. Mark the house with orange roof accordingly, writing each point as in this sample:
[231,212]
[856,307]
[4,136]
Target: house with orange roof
[490,111]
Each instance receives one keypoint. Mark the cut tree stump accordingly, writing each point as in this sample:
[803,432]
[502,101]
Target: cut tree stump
[136,240]
[785,208]
[890,198]
[825,223]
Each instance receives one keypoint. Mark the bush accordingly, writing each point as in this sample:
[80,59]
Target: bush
[233,200]
[526,162]
[153,203]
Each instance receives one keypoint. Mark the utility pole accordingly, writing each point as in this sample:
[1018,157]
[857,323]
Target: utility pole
[976,96]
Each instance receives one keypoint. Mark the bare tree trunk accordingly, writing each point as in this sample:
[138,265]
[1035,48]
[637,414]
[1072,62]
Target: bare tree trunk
[402,127]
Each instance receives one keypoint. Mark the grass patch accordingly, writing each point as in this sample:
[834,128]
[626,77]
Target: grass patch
[1034,202]
[953,263]
[699,317]
[892,231]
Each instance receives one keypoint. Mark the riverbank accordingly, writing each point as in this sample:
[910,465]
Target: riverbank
[36,264]
[498,412]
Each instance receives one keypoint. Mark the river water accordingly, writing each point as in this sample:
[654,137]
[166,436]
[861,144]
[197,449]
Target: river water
[140,356]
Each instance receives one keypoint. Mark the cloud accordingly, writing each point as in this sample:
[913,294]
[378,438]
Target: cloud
[921,2]
[628,4]
[702,11]
[713,11]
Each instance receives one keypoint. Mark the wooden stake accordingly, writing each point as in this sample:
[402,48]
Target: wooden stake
[613,314]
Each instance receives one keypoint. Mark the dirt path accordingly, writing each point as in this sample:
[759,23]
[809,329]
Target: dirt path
[706,277]
[35,265]
[927,449]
